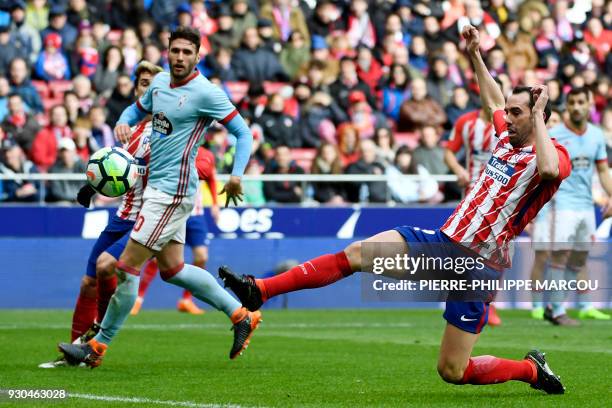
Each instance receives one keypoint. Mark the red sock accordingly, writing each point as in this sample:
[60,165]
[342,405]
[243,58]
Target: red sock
[85,313]
[318,272]
[186,294]
[106,288]
[147,276]
[492,370]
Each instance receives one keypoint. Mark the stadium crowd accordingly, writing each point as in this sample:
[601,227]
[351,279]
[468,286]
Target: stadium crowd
[328,87]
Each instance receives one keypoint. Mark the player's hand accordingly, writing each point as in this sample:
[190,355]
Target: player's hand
[123,133]
[85,195]
[215,213]
[232,190]
[463,178]
[607,210]
[540,96]
[472,38]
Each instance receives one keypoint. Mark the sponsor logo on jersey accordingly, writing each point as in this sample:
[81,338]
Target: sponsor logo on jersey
[581,163]
[499,170]
[161,124]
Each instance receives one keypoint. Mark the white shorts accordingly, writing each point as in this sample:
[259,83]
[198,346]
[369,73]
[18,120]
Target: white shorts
[560,230]
[162,219]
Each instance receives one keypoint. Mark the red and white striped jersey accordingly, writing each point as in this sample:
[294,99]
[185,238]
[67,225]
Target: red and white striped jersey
[505,198]
[478,139]
[139,148]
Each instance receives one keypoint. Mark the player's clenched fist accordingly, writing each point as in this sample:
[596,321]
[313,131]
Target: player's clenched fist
[123,133]
[540,96]
[472,37]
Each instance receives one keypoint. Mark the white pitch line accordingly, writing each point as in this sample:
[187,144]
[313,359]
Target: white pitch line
[191,326]
[148,401]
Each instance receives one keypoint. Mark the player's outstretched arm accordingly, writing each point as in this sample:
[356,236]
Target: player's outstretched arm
[547,155]
[491,96]
[129,117]
[244,141]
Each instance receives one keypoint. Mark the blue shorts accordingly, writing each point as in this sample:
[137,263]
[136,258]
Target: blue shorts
[112,240]
[197,231]
[467,316]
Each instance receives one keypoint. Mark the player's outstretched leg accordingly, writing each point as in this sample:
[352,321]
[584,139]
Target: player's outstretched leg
[206,288]
[315,273]
[456,365]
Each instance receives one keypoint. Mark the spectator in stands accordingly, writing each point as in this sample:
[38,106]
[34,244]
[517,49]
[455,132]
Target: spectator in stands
[347,82]
[320,113]
[385,145]
[408,191]
[52,64]
[85,58]
[295,55]
[606,127]
[29,36]
[80,10]
[100,30]
[373,191]
[13,160]
[420,110]
[285,19]
[253,189]
[71,103]
[278,127]
[393,28]
[9,49]
[131,49]
[22,126]
[68,162]
[362,116]
[322,60]
[255,64]
[430,154]
[269,42]
[101,132]
[106,76]
[225,36]
[243,17]
[326,162]
[85,143]
[58,24]
[439,85]
[395,91]
[20,83]
[126,13]
[359,28]
[418,55]
[518,48]
[44,147]
[82,88]
[348,144]
[326,19]
[221,64]
[37,14]
[153,53]
[460,103]
[146,31]
[5,90]
[369,69]
[283,191]
[120,99]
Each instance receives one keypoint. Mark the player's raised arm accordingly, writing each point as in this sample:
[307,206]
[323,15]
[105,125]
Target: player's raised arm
[490,94]
[547,155]
[132,115]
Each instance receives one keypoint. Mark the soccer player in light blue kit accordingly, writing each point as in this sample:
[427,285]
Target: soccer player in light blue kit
[183,105]
[568,222]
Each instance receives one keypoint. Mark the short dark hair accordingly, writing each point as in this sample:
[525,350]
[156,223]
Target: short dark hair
[579,90]
[13,94]
[187,33]
[529,90]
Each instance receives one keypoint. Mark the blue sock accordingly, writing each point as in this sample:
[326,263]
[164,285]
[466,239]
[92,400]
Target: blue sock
[557,298]
[206,288]
[119,307]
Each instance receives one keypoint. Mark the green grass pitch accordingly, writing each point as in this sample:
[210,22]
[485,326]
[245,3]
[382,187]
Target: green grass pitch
[310,358]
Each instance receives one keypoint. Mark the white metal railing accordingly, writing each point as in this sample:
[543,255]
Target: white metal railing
[298,178]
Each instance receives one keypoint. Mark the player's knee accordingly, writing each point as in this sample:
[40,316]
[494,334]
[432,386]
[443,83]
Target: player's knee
[451,373]
[105,266]
[88,286]
[353,253]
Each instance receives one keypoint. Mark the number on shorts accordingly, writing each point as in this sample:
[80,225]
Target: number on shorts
[139,222]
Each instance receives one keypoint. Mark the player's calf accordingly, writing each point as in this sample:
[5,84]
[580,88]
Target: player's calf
[451,372]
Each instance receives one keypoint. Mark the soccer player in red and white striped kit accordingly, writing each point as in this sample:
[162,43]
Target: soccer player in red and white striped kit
[524,172]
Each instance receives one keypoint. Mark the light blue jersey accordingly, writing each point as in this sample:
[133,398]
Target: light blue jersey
[575,192]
